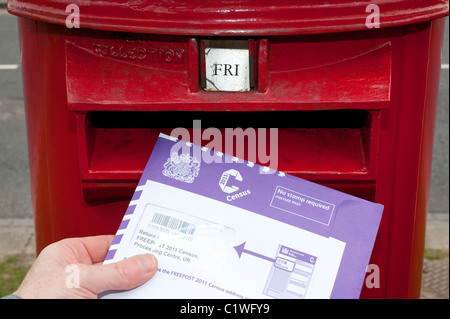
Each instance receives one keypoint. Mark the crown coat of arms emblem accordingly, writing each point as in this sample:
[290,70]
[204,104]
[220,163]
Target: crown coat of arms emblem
[182,167]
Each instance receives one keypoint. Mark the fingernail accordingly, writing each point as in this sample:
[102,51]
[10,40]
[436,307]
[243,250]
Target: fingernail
[147,262]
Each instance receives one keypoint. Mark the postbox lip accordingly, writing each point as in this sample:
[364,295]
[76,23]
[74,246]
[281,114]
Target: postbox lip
[231,17]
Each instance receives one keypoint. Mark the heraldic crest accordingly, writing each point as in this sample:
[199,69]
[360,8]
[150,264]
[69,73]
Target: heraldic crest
[182,167]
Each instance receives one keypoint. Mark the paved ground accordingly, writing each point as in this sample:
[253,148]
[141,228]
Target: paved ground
[435,279]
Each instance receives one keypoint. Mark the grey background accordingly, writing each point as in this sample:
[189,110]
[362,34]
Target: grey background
[15,201]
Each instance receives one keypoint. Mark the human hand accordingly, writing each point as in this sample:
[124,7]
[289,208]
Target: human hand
[47,278]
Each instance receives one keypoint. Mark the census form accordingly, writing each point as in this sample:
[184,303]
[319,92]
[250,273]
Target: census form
[228,228]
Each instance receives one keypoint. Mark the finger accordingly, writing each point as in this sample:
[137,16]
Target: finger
[122,275]
[97,246]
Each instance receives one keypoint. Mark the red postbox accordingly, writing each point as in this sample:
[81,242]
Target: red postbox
[351,87]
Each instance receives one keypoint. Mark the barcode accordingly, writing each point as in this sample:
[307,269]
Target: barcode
[174,223]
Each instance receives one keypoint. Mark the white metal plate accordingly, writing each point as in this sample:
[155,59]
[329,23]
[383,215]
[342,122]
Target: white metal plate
[227,70]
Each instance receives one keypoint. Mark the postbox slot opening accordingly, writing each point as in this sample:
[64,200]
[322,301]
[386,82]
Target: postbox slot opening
[318,144]
[330,119]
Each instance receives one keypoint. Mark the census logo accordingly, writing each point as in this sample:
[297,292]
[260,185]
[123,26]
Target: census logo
[184,167]
[227,185]
[224,179]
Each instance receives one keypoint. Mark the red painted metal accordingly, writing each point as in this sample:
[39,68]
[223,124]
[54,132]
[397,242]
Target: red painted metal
[231,17]
[355,110]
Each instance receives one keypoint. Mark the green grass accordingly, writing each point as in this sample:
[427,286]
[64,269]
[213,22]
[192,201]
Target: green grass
[434,254]
[12,272]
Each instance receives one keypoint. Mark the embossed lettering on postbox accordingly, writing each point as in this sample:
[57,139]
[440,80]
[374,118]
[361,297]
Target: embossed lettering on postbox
[138,53]
[227,66]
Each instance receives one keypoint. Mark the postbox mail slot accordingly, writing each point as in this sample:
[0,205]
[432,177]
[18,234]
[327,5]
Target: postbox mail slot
[317,145]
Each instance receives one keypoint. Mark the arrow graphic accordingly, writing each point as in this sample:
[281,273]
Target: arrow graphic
[240,249]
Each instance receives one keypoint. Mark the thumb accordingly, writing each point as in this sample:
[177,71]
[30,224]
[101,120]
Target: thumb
[122,275]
